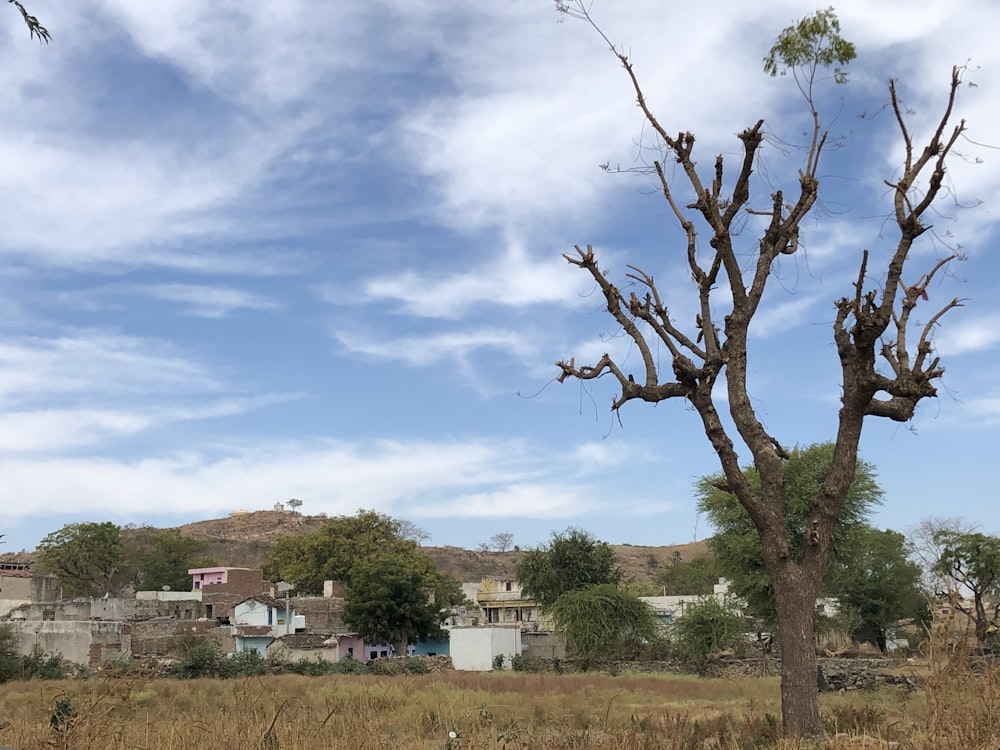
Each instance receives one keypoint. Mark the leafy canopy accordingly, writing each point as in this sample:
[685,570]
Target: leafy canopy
[812,43]
[90,559]
[877,585]
[604,622]
[694,577]
[572,560]
[971,563]
[328,553]
[736,544]
[398,598]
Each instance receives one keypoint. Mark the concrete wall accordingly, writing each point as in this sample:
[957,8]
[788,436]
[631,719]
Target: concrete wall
[72,609]
[321,613]
[543,645]
[89,643]
[18,588]
[168,596]
[475,648]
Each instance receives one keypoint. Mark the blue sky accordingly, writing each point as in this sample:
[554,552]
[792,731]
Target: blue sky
[256,251]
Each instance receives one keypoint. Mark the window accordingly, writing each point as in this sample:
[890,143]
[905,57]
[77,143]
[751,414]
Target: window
[197,585]
[350,650]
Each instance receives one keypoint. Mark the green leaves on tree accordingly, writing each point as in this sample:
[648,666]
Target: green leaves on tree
[604,622]
[572,560]
[814,42]
[736,544]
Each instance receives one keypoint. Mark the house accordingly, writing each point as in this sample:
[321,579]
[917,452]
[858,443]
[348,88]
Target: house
[503,602]
[252,578]
[258,620]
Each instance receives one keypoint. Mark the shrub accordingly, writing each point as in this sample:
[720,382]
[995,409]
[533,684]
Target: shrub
[349,665]
[706,628]
[201,660]
[246,663]
[43,666]
[312,667]
[416,666]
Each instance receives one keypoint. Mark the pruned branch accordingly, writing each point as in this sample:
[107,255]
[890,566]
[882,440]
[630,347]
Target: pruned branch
[35,29]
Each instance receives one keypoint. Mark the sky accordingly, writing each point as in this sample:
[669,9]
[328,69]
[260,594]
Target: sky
[261,251]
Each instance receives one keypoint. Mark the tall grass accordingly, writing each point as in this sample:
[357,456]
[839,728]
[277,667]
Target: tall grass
[958,709]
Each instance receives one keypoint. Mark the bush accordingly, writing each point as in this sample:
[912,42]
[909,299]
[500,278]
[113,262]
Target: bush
[706,628]
[246,663]
[43,666]
[350,665]
[416,666]
[201,660]
[522,663]
[317,667]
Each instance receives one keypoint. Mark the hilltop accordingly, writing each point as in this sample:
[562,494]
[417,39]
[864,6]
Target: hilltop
[244,540]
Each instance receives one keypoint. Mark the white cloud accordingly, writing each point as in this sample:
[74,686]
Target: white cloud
[967,336]
[423,351]
[781,314]
[83,362]
[209,301]
[416,479]
[512,280]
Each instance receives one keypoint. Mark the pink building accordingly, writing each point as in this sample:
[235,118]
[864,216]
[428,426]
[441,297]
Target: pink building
[202,577]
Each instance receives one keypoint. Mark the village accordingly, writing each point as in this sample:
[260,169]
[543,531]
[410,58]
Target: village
[238,611]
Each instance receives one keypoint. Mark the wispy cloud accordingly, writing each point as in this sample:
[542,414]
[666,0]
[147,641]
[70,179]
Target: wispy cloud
[409,479]
[968,336]
[510,280]
[85,362]
[211,301]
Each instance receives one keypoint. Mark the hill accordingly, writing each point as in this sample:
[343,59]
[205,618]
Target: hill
[244,540]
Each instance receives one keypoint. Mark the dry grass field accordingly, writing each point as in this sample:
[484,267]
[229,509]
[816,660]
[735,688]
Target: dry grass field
[958,710]
[957,707]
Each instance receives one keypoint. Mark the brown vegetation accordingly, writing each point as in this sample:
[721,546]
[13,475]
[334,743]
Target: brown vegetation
[958,710]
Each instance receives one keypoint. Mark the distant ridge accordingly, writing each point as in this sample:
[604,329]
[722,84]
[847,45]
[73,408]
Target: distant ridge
[244,540]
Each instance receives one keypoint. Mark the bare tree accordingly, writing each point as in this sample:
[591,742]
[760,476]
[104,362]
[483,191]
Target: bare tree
[502,542]
[689,360]
[409,530]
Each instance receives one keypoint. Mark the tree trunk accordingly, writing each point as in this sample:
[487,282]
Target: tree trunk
[402,644]
[796,611]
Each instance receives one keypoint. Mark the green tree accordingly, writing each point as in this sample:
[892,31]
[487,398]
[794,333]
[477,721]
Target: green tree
[398,598]
[971,562]
[603,623]
[91,559]
[162,557]
[885,350]
[878,585]
[10,656]
[706,628]
[571,561]
[35,29]
[694,577]
[328,553]
[737,545]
